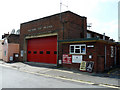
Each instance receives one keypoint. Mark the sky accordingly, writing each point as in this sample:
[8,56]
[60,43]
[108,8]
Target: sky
[119,21]
[103,14]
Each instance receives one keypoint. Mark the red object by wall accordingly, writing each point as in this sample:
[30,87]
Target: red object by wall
[67,59]
[43,50]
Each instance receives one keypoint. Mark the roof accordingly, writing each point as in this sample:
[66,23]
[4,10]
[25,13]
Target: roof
[12,38]
[96,33]
[118,43]
[5,35]
[78,40]
[86,40]
[52,16]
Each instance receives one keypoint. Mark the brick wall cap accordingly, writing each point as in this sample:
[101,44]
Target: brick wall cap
[52,16]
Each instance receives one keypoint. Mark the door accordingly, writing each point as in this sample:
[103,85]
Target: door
[43,50]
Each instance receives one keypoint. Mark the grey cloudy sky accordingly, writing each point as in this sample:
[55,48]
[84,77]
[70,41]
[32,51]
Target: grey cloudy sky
[103,14]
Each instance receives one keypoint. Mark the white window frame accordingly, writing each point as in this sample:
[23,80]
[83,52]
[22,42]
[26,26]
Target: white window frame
[80,45]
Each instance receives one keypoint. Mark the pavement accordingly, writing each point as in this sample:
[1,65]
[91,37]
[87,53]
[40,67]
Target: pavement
[110,79]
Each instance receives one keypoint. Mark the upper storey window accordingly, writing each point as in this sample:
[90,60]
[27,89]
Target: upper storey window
[89,35]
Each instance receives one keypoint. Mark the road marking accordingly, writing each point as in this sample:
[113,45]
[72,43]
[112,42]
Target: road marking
[79,81]
[58,77]
[63,78]
[51,76]
[109,86]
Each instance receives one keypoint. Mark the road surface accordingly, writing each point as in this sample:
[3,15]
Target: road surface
[11,78]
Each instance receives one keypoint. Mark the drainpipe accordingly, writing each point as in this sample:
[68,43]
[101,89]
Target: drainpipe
[63,28]
[105,57]
[62,22]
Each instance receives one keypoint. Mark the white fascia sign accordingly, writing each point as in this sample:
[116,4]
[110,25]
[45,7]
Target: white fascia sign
[90,45]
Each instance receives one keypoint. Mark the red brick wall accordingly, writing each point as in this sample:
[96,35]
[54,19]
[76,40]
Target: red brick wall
[10,49]
[72,26]
[76,27]
[100,60]
[98,55]
[89,51]
[118,55]
[110,61]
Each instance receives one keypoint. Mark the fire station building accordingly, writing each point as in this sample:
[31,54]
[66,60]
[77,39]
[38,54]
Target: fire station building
[49,39]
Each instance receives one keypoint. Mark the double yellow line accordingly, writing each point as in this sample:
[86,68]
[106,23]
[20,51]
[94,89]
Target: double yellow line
[65,78]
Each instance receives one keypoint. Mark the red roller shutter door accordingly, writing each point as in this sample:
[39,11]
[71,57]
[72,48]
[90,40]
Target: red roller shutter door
[43,50]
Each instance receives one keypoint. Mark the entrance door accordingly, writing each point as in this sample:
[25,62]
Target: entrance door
[43,50]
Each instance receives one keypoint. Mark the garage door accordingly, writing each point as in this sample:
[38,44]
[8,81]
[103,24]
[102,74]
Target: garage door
[43,50]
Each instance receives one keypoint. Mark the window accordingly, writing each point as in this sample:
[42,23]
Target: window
[55,52]
[35,52]
[82,49]
[78,49]
[88,35]
[29,52]
[72,49]
[98,36]
[47,52]
[41,52]
[4,53]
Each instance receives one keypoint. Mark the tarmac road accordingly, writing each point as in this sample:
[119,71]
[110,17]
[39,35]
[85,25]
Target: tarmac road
[11,78]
